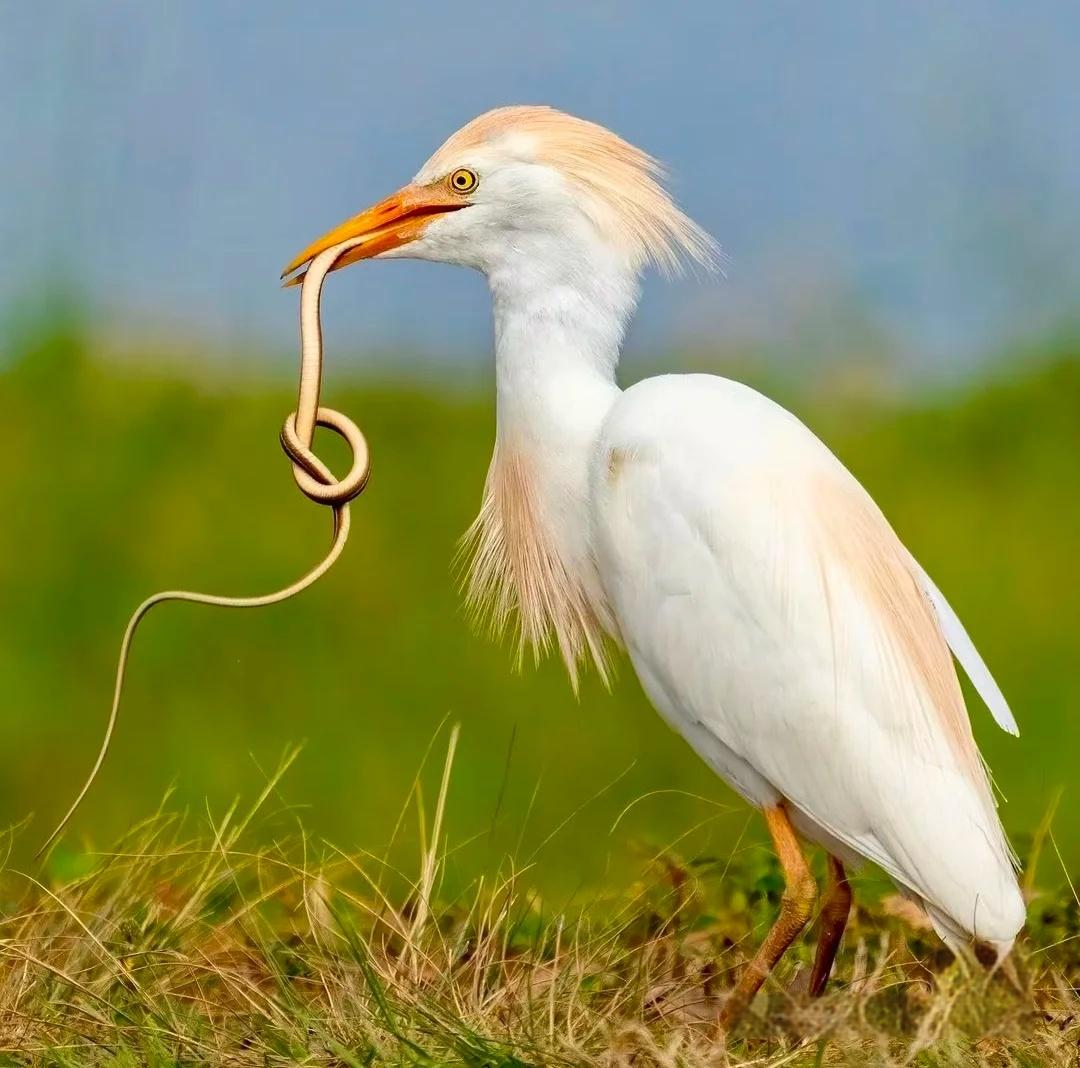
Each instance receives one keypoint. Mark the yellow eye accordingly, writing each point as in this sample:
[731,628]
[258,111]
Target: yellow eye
[463,180]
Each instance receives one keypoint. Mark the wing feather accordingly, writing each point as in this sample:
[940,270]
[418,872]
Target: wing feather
[861,551]
[967,655]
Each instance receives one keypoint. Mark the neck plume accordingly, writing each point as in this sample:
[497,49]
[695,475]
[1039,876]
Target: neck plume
[518,578]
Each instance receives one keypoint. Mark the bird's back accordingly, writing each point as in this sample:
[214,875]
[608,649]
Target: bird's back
[776,620]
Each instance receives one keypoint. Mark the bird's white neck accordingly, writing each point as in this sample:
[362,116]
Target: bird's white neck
[557,343]
[558,332]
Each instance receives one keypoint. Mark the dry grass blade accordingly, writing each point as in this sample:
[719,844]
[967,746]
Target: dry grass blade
[182,950]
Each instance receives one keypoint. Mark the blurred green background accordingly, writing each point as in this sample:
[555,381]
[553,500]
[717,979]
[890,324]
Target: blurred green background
[896,186]
[122,478]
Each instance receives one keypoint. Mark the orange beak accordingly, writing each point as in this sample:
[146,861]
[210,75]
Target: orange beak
[391,223]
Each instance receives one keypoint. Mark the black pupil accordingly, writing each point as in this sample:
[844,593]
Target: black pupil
[462,179]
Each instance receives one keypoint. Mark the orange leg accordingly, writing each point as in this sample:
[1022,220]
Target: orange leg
[834,918]
[796,907]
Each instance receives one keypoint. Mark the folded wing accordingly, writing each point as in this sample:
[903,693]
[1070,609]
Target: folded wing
[778,622]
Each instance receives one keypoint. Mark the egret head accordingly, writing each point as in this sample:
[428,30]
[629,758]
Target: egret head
[527,185]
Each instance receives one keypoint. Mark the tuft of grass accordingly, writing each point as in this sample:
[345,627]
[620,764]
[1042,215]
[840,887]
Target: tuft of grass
[191,945]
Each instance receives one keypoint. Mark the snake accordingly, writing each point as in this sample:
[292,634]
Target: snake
[313,478]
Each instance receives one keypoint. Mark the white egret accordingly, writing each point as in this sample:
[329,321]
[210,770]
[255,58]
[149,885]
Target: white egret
[772,614]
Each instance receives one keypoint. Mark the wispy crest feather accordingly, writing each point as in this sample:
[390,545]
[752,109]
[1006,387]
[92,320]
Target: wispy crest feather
[622,187]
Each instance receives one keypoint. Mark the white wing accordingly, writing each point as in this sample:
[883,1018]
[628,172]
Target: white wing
[777,622]
[965,652]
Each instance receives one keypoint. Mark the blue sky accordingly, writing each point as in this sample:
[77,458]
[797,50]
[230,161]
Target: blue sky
[917,161]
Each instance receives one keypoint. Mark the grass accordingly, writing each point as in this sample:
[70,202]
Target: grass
[202,946]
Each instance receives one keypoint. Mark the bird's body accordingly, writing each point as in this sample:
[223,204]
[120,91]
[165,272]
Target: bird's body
[773,616]
[778,623]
